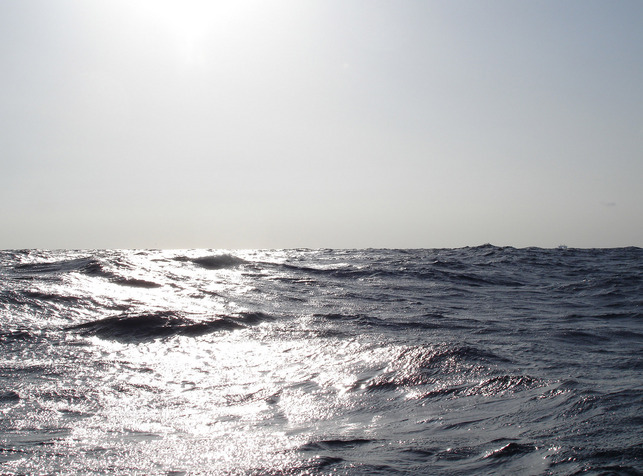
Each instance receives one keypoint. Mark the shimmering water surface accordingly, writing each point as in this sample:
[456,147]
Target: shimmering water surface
[478,360]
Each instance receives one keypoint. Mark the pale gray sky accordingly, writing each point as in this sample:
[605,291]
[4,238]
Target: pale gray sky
[321,123]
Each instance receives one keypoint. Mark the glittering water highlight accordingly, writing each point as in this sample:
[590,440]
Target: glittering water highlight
[480,360]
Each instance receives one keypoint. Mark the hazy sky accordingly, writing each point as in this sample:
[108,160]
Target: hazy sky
[321,123]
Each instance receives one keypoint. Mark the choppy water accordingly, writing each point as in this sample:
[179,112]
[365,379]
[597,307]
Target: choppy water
[478,360]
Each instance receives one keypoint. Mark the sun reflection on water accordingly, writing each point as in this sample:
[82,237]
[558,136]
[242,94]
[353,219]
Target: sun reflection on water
[228,401]
[221,401]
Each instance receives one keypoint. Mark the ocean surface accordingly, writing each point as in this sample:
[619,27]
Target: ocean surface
[480,360]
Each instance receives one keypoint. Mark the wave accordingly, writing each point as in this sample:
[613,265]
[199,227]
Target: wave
[52,297]
[136,283]
[215,262]
[419,365]
[502,384]
[9,396]
[438,271]
[86,266]
[424,322]
[16,335]
[511,449]
[334,444]
[151,326]
[460,371]
[46,302]
[430,361]
[89,266]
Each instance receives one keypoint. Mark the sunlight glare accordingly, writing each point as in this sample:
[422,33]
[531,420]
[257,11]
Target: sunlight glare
[194,25]
[185,22]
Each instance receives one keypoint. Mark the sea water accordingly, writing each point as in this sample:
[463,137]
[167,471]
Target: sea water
[481,360]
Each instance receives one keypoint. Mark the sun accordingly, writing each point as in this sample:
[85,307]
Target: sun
[183,26]
[196,31]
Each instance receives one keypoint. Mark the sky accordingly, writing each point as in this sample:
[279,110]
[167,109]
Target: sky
[320,123]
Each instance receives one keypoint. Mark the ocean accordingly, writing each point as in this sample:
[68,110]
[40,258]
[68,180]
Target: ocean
[478,360]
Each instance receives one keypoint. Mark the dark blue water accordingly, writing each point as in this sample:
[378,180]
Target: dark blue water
[480,360]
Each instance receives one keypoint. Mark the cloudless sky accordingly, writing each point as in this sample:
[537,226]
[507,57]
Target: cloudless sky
[320,123]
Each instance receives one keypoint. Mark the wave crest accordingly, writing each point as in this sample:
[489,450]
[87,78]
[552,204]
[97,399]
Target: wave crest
[219,261]
[151,326]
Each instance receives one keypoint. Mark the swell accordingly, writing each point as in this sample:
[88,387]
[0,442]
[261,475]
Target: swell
[92,267]
[573,315]
[215,262]
[335,444]
[88,266]
[447,370]
[163,324]
[36,298]
[509,450]
[16,335]
[473,268]
[425,322]
[22,304]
